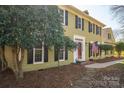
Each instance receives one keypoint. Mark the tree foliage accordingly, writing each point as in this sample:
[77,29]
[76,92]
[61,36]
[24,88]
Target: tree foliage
[106,47]
[119,47]
[23,27]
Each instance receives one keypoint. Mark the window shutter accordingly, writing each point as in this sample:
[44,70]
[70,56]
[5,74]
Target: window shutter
[89,26]
[30,56]
[45,53]
[82,24]
[89,49]
[55,54]
[76,21]
[66,18]
[66,54]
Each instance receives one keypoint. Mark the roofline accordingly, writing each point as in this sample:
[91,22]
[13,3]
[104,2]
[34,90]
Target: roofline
[88,16]
[111,31]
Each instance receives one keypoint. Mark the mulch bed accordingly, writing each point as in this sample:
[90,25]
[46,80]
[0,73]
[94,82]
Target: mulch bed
[107,59]
[48,78]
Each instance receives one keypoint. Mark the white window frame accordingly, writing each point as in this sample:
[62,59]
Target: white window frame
[63,23]
[64,17]
[63,55]
[42,61]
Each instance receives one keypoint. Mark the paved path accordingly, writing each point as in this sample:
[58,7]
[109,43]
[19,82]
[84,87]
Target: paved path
[103,65]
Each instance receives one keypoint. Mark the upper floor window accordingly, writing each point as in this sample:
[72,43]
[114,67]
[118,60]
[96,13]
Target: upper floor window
[79,23]
[61,15]
[64,16]
[109,36]
[100,31]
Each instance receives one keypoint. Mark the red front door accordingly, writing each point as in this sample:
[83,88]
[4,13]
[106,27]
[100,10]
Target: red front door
[79,51]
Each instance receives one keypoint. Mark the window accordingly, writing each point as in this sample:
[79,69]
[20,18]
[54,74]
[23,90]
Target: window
[38,55]
[109,36]
[61,15]
[78,22]
[100,31]
[62,54]
[66,18]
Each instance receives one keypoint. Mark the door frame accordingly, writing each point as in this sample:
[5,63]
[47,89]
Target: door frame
[81,39]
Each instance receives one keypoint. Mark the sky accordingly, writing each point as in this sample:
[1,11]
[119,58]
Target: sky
[103,14]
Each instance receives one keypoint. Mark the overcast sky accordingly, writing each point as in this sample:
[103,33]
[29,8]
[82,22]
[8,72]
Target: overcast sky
[103,14]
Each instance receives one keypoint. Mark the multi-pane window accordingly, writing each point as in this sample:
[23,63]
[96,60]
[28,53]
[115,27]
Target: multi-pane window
[62,15]
[66,17]
[100,30]
[38,55]
[109,36]
[79,23]
[62,54]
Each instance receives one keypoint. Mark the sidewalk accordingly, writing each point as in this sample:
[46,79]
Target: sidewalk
[103,65]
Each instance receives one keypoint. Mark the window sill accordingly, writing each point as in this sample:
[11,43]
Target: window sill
[62,60]
[38,62]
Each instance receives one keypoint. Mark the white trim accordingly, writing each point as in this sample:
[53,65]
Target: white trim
[63,55]
[63,23]
[42,61]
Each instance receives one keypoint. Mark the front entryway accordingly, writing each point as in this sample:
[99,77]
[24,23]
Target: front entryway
[79,51]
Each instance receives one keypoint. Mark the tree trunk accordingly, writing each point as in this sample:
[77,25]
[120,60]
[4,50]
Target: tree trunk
[58,58]
[119,54]
[20,73]
[2,58]
[15,65]
[18,63]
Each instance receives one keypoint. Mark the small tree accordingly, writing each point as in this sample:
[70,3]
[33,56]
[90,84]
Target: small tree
[66,43]
[119,47]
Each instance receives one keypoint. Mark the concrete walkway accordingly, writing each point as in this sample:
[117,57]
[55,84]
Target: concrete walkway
[103,65]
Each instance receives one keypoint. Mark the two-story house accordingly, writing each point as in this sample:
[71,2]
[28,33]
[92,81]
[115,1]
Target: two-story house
[80,27]
[108,38]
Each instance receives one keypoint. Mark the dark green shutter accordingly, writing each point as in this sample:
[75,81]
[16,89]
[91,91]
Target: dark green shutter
[66,18]
[82,24]
[89,49]
[45,53]
[66,54]
[30,56]
[55,54]
[76,21]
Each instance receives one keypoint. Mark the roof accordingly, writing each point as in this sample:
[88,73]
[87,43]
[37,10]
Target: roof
[84,14]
